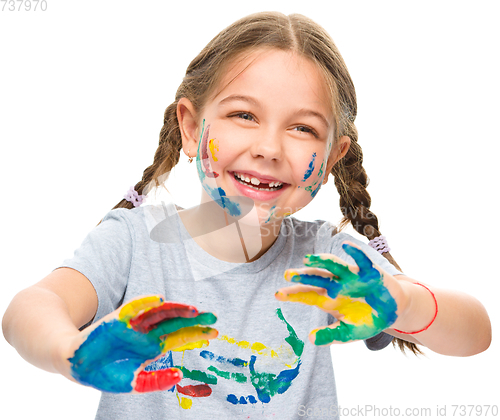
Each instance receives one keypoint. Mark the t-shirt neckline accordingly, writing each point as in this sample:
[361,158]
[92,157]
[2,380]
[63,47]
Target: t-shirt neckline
[208,260]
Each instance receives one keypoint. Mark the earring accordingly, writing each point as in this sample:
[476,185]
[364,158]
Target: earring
[190,160]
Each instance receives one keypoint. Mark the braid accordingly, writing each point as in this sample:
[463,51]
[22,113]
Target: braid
[351,181]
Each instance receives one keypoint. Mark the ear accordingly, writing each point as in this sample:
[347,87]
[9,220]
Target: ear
[339,150]
[188,125]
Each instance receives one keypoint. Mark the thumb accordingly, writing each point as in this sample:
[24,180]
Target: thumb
[158,380]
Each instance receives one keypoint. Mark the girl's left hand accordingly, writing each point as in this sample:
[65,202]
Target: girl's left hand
[364,298]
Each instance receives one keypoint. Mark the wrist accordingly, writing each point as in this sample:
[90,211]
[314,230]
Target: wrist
[63,348]
[421,311]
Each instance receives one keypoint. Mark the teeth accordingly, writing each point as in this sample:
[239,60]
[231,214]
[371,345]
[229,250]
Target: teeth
[255,181]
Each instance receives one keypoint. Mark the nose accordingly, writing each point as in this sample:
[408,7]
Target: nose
[268,144]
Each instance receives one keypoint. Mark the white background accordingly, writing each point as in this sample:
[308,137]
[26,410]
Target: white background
[83,89]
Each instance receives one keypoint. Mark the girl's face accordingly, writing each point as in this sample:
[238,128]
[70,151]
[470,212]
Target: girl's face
[266,137]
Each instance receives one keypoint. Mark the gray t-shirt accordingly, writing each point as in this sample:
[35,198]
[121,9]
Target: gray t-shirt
[262,365]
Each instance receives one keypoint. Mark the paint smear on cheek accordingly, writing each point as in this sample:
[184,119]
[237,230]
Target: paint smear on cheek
[213,145]
[310,169]
[316,186]
[204,154]
[202,165]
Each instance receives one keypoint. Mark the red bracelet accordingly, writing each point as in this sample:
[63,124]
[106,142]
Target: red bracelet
[435,315]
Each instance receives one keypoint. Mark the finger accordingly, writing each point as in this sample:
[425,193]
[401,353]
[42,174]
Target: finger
[134,307]
[333,264]
[306,297]
[320,272]
[147,320]
[188,335]
[159,380]
[303,288]
[171,325]
[342,332]
[364,263]
[314,277]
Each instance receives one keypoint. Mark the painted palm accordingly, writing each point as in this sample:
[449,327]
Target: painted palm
[355,295]
[115,352]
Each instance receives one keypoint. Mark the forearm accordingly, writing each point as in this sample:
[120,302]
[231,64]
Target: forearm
[461,328]
[38,325]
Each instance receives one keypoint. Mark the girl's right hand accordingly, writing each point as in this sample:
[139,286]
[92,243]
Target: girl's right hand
[112,354]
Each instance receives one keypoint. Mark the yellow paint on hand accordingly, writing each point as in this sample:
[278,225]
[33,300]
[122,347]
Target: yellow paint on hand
[212,145]
[184,336]
[313,299]
[289,274]
[354,311]
[135,307]
[191,346]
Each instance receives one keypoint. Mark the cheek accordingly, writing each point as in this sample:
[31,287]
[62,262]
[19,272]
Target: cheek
[310,169]
[313,175]
[216,148]
[205,145]
[213,146]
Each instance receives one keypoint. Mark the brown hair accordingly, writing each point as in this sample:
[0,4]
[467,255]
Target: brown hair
[290,33]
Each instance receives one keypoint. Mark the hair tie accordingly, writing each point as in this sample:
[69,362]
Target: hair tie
[433,319]
[134,197]
[380,244]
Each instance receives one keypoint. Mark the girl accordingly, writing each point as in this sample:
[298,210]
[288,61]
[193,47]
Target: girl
[267,109]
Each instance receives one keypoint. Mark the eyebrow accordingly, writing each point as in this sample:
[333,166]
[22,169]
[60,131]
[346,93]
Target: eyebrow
[310,113]
[302,112]
[243,98]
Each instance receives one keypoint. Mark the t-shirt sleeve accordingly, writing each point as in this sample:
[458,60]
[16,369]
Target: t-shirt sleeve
[104,257]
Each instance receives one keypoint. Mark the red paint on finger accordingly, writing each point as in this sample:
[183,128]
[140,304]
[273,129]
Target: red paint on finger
[158,380]
[148,320]
[195,390]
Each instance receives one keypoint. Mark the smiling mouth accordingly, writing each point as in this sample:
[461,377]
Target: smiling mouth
[255,184]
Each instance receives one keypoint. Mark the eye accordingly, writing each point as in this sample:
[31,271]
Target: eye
[244,116]
[306,129]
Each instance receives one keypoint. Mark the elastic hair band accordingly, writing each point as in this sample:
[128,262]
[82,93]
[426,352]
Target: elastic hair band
[134,197]
[380,244]
[435,315]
